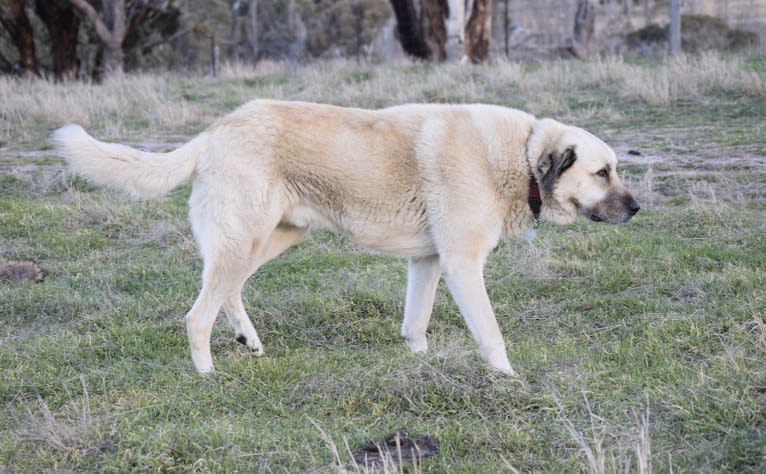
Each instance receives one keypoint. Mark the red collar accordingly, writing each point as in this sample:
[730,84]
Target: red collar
[534,200]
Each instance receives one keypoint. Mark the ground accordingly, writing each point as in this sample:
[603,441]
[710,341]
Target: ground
[639,347]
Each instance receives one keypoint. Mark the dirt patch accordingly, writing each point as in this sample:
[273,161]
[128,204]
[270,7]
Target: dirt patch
[24,271]
[396,448]
[695,166]
[641,159]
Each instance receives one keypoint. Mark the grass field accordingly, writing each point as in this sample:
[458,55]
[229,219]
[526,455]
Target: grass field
[641,347]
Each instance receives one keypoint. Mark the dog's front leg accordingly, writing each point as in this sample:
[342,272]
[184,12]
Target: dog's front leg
[422,279]
[465,280]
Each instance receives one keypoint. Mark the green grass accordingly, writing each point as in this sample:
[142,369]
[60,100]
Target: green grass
[606,324]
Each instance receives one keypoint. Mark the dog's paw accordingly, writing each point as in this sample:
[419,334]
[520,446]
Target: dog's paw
[253,346]
[204,367]
[417,345]
[497,358]
[507,371]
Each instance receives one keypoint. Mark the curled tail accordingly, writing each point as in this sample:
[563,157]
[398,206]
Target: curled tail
[142,174]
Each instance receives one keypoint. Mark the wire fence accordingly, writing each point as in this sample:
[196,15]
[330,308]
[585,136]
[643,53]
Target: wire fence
[536,25]
[744,14]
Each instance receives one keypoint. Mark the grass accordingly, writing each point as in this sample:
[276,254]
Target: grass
[641,347]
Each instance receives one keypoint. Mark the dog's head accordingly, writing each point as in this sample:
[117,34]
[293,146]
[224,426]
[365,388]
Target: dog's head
[577,174]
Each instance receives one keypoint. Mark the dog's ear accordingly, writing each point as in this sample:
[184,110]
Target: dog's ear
[542,136]
[542,152]
[553,165]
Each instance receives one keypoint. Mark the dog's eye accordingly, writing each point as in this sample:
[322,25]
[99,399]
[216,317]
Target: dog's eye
[604,173]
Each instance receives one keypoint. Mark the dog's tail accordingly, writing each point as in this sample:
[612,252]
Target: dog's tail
[140,173]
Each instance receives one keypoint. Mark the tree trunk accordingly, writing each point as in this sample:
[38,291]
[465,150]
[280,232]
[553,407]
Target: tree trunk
[409,28]
[114,58]
[20,30]
[111,28]
[436,13]
[584,24]
[63,26]
[478,32]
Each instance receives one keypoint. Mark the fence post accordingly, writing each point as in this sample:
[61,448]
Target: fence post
[675,26]
[215,52]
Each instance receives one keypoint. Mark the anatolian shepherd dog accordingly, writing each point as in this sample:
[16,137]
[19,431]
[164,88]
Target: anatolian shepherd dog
[438,184]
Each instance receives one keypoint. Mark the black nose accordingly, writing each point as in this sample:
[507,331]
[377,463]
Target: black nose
[634,207]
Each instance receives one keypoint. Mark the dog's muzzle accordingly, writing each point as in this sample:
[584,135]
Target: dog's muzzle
[614,211]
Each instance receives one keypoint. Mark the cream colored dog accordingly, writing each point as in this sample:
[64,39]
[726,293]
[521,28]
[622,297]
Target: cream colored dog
[439,184]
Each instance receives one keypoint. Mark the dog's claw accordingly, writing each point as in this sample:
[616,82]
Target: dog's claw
[254,349]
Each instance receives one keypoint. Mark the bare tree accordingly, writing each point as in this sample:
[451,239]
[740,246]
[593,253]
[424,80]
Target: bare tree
[478,32]
[111,27]
[123,26]
[17,24]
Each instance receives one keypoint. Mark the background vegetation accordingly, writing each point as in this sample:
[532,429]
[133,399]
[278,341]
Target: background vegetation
[85,39]
[641,347]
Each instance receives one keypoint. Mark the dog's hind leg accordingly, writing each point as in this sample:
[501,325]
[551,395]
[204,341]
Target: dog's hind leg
[228,264]
[422,280]
[244,331]
[201,317]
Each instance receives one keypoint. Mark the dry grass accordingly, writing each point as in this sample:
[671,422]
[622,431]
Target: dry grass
[66,434]
[629,442]
[113,108]
[109,107]
[643,188]
[344,462]
[690,77]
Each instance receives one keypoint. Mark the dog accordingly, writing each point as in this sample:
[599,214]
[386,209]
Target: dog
[438,184]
